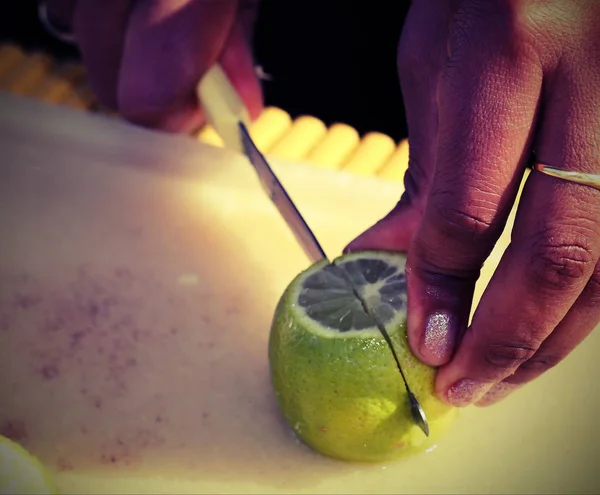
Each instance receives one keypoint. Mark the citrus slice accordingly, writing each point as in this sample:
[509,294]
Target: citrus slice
[21,472]
[334,374]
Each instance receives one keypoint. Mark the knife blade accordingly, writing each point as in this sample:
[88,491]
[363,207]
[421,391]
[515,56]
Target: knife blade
[225,111]
[280,198]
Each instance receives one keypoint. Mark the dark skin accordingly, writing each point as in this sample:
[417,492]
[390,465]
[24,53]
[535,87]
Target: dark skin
[144,58]
[485,83]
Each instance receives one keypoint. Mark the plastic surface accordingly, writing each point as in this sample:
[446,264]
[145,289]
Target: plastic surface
[139,274]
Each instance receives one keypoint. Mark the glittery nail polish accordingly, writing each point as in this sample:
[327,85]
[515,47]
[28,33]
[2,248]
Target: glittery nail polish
[439,334]
[466,391]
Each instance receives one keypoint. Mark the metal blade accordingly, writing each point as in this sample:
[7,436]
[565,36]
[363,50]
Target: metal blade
[416,411]
[281,199]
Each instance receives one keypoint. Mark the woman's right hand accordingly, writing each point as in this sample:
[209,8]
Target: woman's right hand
[144,58]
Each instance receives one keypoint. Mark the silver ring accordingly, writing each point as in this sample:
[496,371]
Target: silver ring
[64,36]
[592,180]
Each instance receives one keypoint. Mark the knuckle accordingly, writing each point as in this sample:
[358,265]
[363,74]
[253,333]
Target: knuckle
[507,357]
[540,363]
[560,266]
[472,18]
[474,35]
[461,28]
[455,237]
[463,222]
[591,293]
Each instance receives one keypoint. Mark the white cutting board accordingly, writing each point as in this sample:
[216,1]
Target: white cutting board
[138,277]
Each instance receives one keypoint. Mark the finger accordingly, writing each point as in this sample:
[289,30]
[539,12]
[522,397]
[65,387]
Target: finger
[238,62]
[238,57]
[169,45]
[580,321]
[556,245]
[554,250]
[487,99]
[99,29]
[421,53]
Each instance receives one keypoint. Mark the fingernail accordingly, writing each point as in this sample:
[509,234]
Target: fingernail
[466,391]
[497,393]
[440,335]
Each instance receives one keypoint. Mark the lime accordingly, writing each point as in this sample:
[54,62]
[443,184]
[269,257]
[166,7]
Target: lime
[21,472]
[335,377]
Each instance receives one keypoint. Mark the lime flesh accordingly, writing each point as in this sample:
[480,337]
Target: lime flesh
[335,377]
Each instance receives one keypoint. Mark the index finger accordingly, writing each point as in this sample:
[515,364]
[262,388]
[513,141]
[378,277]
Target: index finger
[169,45]
[488,98]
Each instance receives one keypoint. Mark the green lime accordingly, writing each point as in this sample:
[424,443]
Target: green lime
[335,377]
[21,472]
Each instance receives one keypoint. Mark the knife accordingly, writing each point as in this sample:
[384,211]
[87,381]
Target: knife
[226,113]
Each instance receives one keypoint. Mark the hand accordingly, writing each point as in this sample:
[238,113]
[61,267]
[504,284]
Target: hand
[144,58]
[485,83]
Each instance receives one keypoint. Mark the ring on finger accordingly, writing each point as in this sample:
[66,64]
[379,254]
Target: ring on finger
[64,36]
[592,180]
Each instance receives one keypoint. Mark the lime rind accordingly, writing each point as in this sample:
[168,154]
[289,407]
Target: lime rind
[341,393]
[23,473]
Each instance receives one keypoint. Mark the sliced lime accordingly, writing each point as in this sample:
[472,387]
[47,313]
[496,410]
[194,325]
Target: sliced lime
[334,374]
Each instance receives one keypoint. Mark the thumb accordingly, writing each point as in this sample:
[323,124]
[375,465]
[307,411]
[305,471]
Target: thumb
[393,232]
